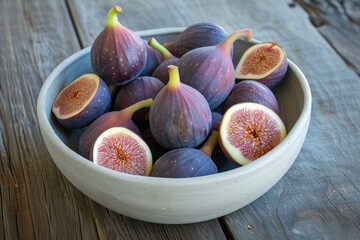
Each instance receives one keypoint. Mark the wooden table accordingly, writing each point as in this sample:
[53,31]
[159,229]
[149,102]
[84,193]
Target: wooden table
[319,197]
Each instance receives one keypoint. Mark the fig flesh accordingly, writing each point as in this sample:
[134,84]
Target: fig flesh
[135,91]
[248,131]
[210,70]
[187,162]
[122,150]
[252,91]
[201,34]
[263,62]
[108,120]
[81,101]
[161,72]
[118,55]
[180,115]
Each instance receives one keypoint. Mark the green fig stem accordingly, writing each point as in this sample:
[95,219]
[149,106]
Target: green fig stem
[174,77]
[112,19]
[228,43]
[161,49]
[210,144]
[129,111]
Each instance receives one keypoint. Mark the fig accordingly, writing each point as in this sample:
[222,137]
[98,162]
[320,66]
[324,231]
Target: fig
[156,150]
[108,120]
[153,60]
[252,91]
[210,70]
[180,115]
[187,162]
[161,72]
[122,150]
[118,55]
[81,101]
[135,91]
[248,131]
[201,34]
[263,62]
[216,120]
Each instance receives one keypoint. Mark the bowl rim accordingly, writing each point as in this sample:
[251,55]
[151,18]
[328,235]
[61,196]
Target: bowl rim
[261,162]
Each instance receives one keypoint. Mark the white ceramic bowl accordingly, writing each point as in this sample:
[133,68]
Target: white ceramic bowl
[164,200]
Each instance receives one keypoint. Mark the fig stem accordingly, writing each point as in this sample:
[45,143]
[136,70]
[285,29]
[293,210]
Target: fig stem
[174,77]
[129,111]
[228,43]
[210,144]
[112,19]
[161,49]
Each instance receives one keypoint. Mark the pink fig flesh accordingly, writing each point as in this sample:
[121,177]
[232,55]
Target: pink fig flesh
[122,150]
[248,131]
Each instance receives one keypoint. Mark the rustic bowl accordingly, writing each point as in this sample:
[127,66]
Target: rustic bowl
[163,200]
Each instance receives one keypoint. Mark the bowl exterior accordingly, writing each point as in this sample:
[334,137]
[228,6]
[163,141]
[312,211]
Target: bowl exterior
[171,201]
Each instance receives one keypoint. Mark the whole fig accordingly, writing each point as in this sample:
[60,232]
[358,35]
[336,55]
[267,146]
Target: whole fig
[118,55]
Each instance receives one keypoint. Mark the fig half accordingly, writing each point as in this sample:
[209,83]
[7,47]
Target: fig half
[248,131]
[80,102]
[122,150]
[263,62]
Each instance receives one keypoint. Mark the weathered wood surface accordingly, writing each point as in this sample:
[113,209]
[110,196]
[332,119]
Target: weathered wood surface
[319,198]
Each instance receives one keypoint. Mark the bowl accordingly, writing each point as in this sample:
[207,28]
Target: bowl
[174,201]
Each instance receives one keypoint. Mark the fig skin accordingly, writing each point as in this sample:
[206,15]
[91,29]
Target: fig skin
[210,70]
[88,105]
[263,56]
[201,34]
[252,91]
[180,115]
[153,60]
[255,130]
[122,150]
[108,120]
[161,72]
[135,91]
[156,150]
[118,55]
[187,162]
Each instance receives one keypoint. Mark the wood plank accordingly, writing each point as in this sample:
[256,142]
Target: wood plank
[319,197]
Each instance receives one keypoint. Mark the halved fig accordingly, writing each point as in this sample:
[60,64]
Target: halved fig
[80,102]
[264,62]
[248,131]
[122,150]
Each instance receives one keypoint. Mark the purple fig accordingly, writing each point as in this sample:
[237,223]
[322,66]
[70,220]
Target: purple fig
[216,120]
[187,162]
[248,131]
[135,91]
[210,70]
[263,62]
[180,115]
[161,72]
[201,34]
[252,91]
[122,150]
[108,120]
[156,150]
[153,60]
[118,55]
[80,102]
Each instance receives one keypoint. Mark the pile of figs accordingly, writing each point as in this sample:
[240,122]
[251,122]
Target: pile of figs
[177,109]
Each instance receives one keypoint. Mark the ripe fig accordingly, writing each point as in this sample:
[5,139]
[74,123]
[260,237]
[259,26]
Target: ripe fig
[108,120]
[210,70]
[180,115]
[153,60]
[161,72]
[248,131]
[135,91]
[201,34]
[187,162]
[263,62]
[118,55]
[81,101]
[216,120]
[252,91]
[122,150]
[156,150]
